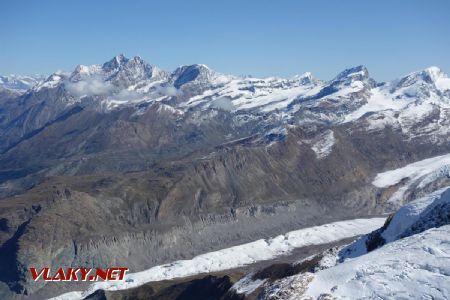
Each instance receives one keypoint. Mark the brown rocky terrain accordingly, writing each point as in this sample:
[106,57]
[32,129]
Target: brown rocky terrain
[152,182]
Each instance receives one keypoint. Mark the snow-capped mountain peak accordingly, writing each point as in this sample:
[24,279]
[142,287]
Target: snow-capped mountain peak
[114,63]
[20,83]
[52,81]
[120,72]
[131,72]
[197,74]
[306,79]
[439,78]
[429,77]
[303,98]
[346,77]
[435,72]
[83,71]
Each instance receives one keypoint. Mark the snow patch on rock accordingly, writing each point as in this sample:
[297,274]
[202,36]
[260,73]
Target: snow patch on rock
[247,285]
[322,144]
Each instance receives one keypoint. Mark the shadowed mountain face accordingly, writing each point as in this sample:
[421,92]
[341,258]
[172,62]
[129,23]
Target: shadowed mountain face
[125,164]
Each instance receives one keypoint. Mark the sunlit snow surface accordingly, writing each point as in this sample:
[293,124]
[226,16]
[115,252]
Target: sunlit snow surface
[417,174]
[241,255]
[416,267]
[266,94]
[413,170]
[420,98]
[412,267]
[379,100]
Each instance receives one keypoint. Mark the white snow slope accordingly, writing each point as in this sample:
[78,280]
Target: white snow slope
[413,267]
[416,267]
[417,175]
[20,83]
[238,256]
[414,170]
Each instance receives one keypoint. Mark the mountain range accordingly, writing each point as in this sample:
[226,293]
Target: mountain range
[123,163]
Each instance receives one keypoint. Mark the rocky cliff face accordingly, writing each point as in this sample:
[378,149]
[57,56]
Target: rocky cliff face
[123,163]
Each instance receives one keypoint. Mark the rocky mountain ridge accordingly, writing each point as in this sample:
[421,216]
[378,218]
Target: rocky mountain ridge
[19,83]
[145,167]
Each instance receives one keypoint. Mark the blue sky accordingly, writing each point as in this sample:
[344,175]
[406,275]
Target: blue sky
[261,38]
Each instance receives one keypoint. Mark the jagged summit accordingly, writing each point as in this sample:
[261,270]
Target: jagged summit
[359,73]
[125,72]
[198,72]
[432,72]
[123,81]
[121,61]
[423,81]
[119,71]
[115,62]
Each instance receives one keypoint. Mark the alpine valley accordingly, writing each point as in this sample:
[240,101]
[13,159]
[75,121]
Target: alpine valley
[240,187]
